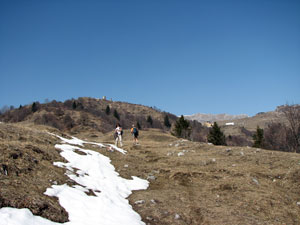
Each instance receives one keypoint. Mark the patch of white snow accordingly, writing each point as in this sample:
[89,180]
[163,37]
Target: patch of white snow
[93,172]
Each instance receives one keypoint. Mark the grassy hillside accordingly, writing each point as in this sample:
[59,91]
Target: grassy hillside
[190,182]
[96,117]
[90,115]
[27,156]
[241,133]
[261,120]
[87,114]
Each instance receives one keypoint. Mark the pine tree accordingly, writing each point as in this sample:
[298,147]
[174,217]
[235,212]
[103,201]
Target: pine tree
[74,105]
[34,107]
[116,114]
[107,110]
[258,138]
[216,136]
[138,126]
[167,122]
[182,128]
[149,120]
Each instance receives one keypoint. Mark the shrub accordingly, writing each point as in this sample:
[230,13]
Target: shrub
[149,120]
[116,114]
[138,126]
[275,137]
[34,107]
[182,128]
[167,122]
[74,105]
[216,136]
[292,114]
[258,138]
[68,121]
[234,140]
[48,119]
[107,110]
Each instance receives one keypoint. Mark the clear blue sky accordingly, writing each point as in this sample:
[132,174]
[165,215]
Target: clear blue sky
[184,57]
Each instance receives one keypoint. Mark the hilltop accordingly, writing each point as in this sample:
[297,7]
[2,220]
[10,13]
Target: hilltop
[87,114]
[96,117]
[99,116]
[190,182]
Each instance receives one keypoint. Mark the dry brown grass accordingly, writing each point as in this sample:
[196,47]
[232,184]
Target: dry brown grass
[250,124]
[210,184]
[26,170]
[204,184]
[261,120]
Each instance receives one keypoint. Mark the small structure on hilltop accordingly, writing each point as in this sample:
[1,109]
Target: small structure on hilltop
[208,124]
[229,124]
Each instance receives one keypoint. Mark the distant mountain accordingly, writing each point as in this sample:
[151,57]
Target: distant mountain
[201,117]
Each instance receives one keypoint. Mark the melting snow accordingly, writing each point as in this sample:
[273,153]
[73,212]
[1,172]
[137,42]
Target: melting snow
[76,141]
[94,172]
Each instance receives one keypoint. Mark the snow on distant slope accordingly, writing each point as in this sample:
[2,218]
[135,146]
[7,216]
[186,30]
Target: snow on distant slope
[201,117]
[93,172]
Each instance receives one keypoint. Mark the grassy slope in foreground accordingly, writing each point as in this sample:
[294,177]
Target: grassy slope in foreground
[196,183]
[190,183]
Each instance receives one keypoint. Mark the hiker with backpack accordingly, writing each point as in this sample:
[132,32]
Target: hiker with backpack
[135,134]
[118,135]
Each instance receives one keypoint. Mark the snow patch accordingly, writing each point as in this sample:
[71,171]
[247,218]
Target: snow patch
[93,172]
[76,141]
[12,216]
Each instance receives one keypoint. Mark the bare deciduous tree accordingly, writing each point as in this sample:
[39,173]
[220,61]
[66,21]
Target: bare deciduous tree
[292,114]
[275,137]
[4,109]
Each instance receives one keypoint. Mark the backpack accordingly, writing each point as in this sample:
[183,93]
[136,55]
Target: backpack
[135,131]
[115,135]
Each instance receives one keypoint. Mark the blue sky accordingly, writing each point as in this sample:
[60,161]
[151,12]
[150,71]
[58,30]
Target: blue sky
[184,57]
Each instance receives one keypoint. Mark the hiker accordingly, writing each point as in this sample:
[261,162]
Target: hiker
[118,135]
[135,133]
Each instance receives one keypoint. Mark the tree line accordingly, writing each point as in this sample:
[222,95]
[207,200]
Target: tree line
[276,136]
[281,136]
[284,136]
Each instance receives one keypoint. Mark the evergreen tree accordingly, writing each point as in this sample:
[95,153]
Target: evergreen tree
[74,105]
[149,120]
[116,114]
[138,126]
[167,122]
[258,138]
[34,107]
[182,128]
[107,110]
[216,136]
